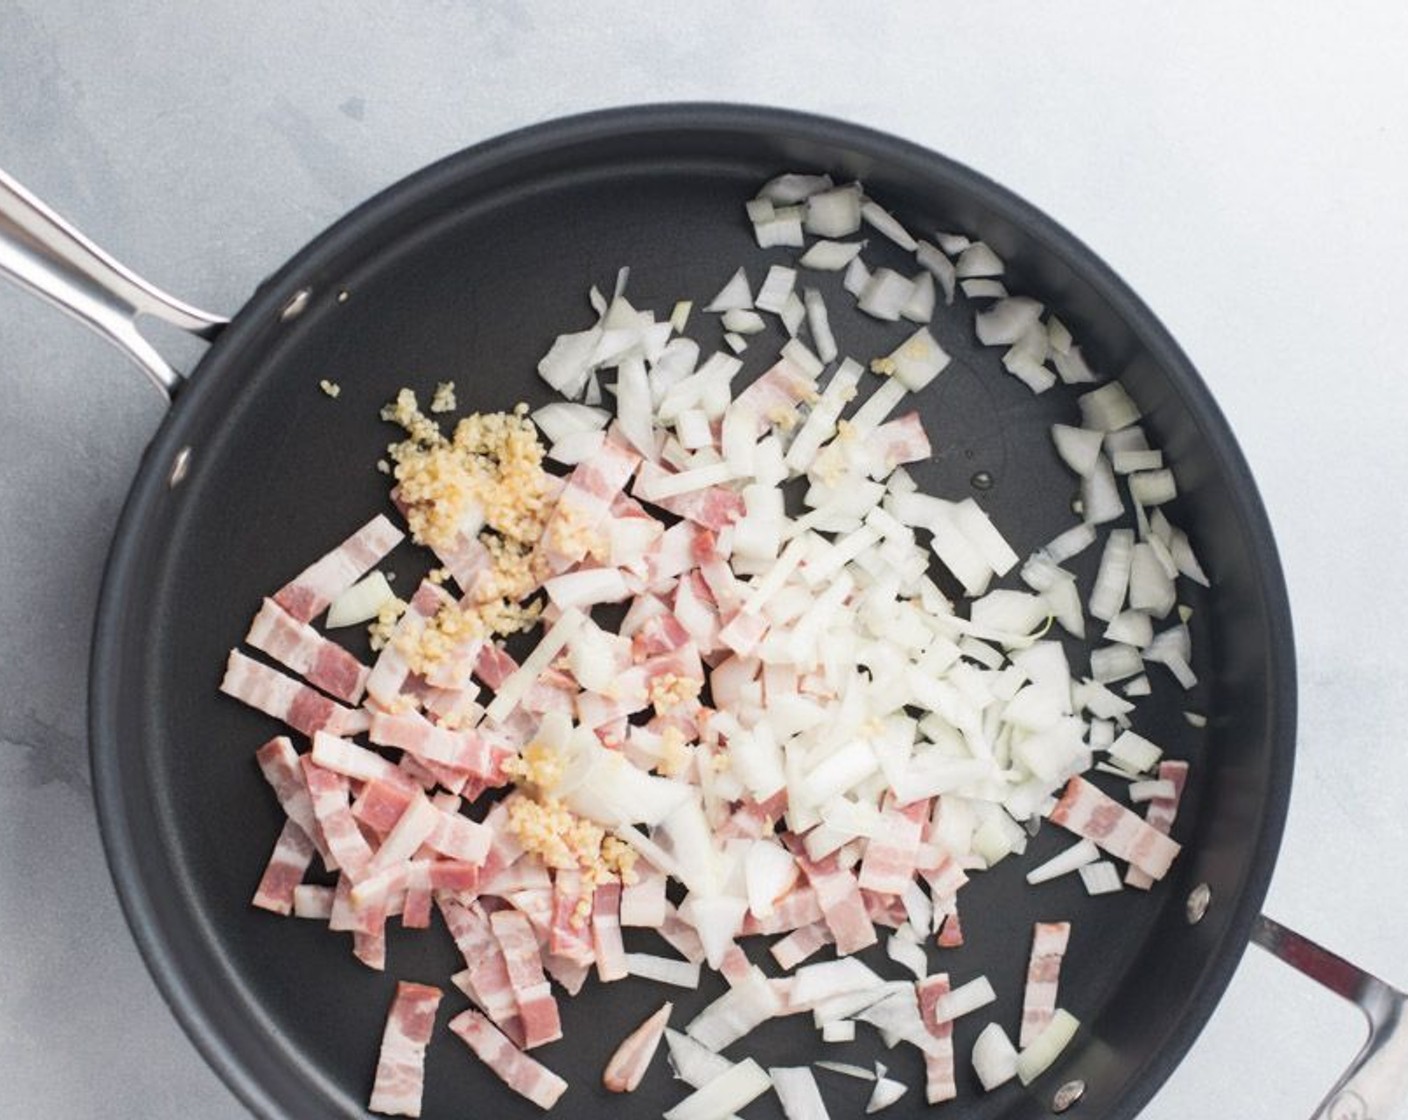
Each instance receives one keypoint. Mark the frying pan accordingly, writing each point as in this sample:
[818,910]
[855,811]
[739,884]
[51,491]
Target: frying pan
[464,272]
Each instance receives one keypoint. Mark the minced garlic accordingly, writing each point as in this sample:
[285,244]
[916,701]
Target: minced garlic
[386,618]
[424,647]
[885,367]
[331,388]
[675,754]
[670,690]
[566,841]
[444,398]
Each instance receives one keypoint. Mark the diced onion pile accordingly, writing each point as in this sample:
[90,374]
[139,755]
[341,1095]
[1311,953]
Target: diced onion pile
[751,706]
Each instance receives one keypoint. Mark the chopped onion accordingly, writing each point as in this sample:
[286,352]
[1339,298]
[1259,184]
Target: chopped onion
[1152,488]
[1099,494]
[1007,320]
[1064,862]
[819,324]
[847,1069]
[834,213]
[886,1092]
[964,999]
[919,308]
[663,970]
[1079,448]
[1134,753]
[735,342]
[797,1092]
[830,256]
[724,1095]
[1101,878]
[983,289]
[361,602]
[1150,587]
[977,260]
[777,286]
[785,190]
[1072,542]
[918,360]
[743,322]
[736,295]
[1071,366]
[856,278]
[1108,408]
[884,222]
[907,952]
[841,1030]
[994,1057]
[1112,578]
[1130,461]
[1043,1050]
[695,1064]
[560,419]
[885,294]
[1151,790]
[939,266]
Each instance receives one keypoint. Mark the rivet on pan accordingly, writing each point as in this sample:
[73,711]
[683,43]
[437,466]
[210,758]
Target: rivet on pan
[297,304]
[179,466]
[1067,1095]
[1197,905]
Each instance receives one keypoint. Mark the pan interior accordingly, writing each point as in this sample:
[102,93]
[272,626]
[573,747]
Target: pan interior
[466,273]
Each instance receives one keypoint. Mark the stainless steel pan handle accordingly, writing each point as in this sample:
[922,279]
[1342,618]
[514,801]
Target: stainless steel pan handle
[1376,1085]
[43,253]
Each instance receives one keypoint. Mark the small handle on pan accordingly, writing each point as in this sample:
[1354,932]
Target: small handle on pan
[42,252]
[1376,1085]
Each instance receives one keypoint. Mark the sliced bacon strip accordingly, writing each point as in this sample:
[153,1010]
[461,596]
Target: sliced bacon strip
[415,914]
[304,709]
[800,944]
[607,943]
[626,1069]
[329,794]
[279,764]
[569,934]
[888,865]
[494,665]
[951,932]
[370,949]
[575,525]
[410,831]
[940,1084]
[797,908]
[435,746]
[514,1068]
[537,1009]
[313,657]
[485,980]
[342,756]
[1088,812]
[838,895]
[292,854]
[713,507]
[380,804]
[1161,813]
[390,673]
[400,1070]
[308,594]
[1049,941]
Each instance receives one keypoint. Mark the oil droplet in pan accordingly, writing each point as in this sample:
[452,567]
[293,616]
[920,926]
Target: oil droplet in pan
[983,480]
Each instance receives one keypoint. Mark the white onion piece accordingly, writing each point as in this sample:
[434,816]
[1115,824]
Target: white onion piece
[516,686]
[587,587]
[1139,686]
[1079,448]
[790,188]
[886,1092]
[695,1064]
[1129,461]
[1100,495]
[814,983]
[1184,558]
[679,315]
[1071,366]
[909,954]
[361,602]
[785,229]
[686,482]
[567,364]
[663,970]
[1152,789]
[856,278]
[777,286]
[735,342]
[724,1095]
[1058,335]
[936,263]
[717,919]
[1135,754]
[983,288]
[563,418]
[1134,628]
[834,213]
[735,1013]
[1108,408]
[819,323]
[830,256]
[841,1030]
[918,360]
[1101,878]
[820,424]
[994,1057]
[693,430]
[577,448]
[1112,578]
[742,322]
[769,871]
[1152,488]
[978,260]
[1072,542]
[797,1092]
[634,407]
[919,308]
[964,999]
[885,294]
[882,402]
[736,295]
[1064,862]
[952,243]
[1195,719]
[792,314]
[1036,1059]
[1150,588]
[884,222]
[1007,320]
[1115,663]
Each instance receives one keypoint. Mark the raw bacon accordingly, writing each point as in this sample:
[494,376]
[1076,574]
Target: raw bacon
[514,1068]
[939,1082]
[1049,941]
[304,709]
[1086,811]
[838,895]
[287,865]
[308,594]
[400,1071]
[1161,814]
[299,647]
[537,1009]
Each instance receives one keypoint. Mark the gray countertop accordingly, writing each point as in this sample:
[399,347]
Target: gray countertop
[1242,166]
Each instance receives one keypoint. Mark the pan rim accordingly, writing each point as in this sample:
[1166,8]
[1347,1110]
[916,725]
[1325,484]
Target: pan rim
[122,571]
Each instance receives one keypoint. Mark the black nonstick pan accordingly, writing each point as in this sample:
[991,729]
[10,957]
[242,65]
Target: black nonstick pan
[465,272]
